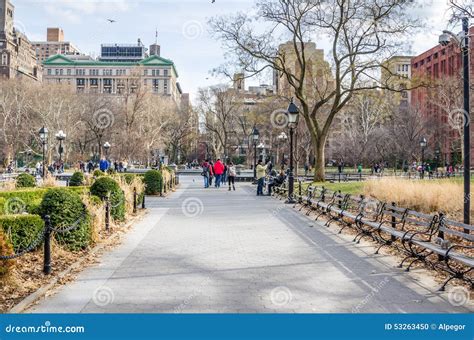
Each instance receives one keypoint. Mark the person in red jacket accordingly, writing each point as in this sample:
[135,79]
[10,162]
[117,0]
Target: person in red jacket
[218,171]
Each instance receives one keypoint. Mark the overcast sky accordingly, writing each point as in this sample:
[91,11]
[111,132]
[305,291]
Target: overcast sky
[181,24]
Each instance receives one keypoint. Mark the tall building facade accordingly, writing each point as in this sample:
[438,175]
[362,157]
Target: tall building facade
[153,74]
[17,56]
[53,45]
[396,73]
[439,103]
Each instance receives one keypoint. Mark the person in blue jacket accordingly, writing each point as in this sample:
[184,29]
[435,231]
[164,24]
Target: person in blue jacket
[104,164]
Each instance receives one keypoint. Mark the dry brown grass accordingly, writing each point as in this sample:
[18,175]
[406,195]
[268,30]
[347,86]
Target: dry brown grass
[8,186]
[127,188]
[424,196]
[49,182]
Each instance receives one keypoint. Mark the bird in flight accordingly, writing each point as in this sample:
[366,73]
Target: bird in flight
[111,21]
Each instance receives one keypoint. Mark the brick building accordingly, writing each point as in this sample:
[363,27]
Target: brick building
[439,104]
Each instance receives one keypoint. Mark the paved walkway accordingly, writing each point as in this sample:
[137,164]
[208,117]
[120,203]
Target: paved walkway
[218,251]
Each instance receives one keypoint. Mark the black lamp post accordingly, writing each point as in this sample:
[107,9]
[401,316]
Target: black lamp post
[60,136]
[463,40]
[255,138]
[43,135]
[293,117]
[438,158]
[107,148]
[423,144]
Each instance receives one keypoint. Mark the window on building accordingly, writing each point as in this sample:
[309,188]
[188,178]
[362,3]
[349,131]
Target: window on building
[80,81]
[94,82]
[145,73]
[4,59]
[165,73]
[165,86]
[50,71]
[68,71]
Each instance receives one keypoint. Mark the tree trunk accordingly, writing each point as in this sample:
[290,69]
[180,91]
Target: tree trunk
[320,166]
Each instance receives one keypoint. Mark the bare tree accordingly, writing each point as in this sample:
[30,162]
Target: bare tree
[219,107]
[362,34]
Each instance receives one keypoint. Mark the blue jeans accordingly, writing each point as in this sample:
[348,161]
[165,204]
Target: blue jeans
[218,181]
[260,184]
[206,181]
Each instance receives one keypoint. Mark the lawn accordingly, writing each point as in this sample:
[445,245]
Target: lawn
[429,196]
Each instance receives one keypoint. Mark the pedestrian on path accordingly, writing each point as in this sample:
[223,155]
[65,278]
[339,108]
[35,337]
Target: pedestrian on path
[218,171]
[206,172]
[225,175]
[232,174]
[261,172]
[211,172]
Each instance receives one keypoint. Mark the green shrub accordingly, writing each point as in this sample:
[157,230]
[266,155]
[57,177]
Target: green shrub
[77,179]
[98,173]
[107,187]
[65,209]
[26,200]
[153,181]
[25,181]
[6,248]
[21,230]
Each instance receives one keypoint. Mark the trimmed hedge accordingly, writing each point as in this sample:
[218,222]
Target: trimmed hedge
[77,179]
[25,180]
[105,186]
[21,230]
[5,249]
[66,208]
[153,180]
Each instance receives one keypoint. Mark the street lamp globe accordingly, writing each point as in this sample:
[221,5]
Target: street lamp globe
[60,135]
[293,115]
[107,146]
[255,135]
[282,137]
[423,142]
[43,134]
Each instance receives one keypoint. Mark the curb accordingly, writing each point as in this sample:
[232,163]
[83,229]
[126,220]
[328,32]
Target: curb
[41,292]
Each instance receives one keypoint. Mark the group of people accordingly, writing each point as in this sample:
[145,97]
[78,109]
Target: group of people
[103,165]
[219,173]
[268,174]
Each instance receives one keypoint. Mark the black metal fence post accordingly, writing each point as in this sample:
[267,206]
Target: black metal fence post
[47,246]
[143,201]
[394,222]
[134,200]
[107,213]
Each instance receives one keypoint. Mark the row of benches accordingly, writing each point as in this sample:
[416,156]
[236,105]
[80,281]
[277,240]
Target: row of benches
[432,239]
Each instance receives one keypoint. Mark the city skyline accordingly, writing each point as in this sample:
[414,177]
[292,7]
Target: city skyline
[181,27]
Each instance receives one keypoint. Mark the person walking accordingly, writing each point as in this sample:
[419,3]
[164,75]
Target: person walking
[232,173]
[218,171]
[104,164]
[206,172]
[225,174]
[261,172]
[211,172]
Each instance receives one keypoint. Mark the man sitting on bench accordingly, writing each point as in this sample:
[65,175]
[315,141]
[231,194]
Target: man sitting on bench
[276,181]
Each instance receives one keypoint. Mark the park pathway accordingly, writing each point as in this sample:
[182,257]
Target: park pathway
[212,250]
